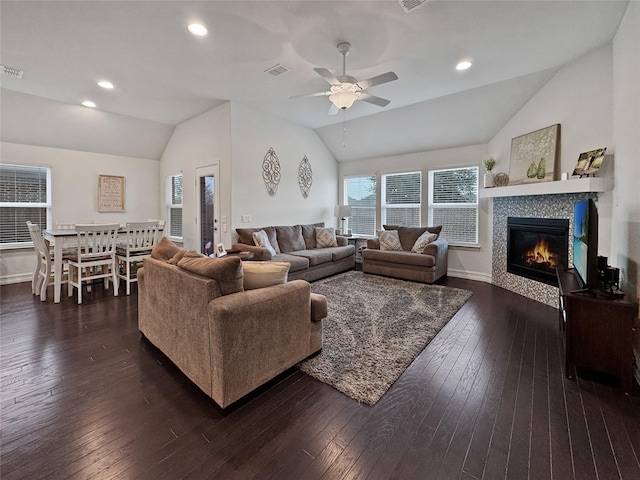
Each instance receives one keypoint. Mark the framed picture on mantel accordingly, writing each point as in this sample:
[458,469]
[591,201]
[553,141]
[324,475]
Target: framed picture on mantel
[534,156]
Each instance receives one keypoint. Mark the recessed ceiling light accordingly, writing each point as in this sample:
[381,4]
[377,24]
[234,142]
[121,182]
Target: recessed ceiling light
[463,65]
[106,84]
[197,29]
[89,103]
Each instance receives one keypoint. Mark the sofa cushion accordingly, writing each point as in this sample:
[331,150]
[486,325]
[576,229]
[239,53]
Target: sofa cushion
[338,253]
[389,240]
[260,239]
[326,237]
[290,238]
[264,274]
[297,263]
[409,235]
[400,257]
[245,235]
[164,250]
[423,240]
[309,234]
[226,271]
[315,256]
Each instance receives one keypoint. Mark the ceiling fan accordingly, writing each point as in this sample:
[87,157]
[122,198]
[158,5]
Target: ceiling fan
[346,89]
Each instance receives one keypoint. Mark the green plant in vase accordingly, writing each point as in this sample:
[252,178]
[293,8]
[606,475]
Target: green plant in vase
[489,163]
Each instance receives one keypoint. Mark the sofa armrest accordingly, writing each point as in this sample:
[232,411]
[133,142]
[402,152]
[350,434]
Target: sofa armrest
[256,335]
[440,251]
[259,253]
[373,243]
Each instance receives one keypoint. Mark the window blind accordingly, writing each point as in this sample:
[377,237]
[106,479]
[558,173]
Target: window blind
[401,199]
[24,197]
[175,206]
[360,194]
[453,203]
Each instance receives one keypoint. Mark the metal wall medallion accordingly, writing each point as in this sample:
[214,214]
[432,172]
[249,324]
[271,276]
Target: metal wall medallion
[305,176]
[271,171]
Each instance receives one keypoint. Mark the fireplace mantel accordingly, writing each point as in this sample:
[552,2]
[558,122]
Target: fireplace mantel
[577,185]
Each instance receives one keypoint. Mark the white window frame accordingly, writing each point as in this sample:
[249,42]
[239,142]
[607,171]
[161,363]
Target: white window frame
[172,206]
[454,206]
[46,205]
[354,208]
[385,207]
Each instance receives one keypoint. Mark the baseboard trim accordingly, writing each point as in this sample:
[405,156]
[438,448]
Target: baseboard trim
[478,276]
[17,278]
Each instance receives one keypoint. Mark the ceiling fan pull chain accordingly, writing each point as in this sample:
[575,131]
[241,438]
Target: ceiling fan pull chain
[344,128]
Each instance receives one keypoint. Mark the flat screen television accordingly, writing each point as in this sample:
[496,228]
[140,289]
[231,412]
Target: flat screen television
[585,244]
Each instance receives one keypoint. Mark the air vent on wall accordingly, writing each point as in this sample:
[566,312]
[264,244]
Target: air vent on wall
[411,5]
[12,71]
[277,70]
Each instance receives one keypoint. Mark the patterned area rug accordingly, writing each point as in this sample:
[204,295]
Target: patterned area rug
[376,327]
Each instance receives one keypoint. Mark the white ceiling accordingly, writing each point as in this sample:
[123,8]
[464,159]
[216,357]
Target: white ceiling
[164,74]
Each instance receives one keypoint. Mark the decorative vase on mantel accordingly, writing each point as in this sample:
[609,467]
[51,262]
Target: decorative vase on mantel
[489,176]
[489,179]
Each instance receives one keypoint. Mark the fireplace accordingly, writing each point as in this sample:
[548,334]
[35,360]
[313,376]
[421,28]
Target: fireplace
[536,246]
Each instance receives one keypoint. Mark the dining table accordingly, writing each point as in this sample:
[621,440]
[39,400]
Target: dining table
[59,238]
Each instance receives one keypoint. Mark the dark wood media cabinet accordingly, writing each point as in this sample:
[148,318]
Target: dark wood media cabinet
[598,331]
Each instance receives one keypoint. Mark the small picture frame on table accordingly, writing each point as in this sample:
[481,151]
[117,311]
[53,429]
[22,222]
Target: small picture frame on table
[220,251]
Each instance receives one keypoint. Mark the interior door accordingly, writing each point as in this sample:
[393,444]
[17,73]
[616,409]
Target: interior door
[207,199]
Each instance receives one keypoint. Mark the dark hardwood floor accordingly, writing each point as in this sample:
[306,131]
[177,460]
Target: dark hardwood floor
[84,396]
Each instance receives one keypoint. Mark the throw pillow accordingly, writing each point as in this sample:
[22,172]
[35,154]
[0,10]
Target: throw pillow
[264,274]
[226,271]
[290,238]
[389,240]
[260,238]
[165,250]
[309,234]
[326,237]
[423,240]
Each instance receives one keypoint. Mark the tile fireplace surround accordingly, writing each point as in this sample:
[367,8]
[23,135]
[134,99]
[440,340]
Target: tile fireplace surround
[534,206]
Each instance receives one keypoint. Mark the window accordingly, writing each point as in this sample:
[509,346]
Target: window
[24,196]
[174,206]
[360,194]
[453,203]
[401,199]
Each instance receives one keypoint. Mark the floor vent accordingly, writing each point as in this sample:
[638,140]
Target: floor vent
[12,71]
[277,70]
[410,5]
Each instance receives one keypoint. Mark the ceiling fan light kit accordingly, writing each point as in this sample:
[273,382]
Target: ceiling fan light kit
[345,89]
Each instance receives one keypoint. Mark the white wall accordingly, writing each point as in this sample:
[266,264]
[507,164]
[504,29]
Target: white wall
[74,192]
[580,98]
[473,263]
[201,141]
[237,138]
[625,229]
[253,133]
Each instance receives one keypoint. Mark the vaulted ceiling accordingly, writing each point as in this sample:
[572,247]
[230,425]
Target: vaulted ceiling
[165,75]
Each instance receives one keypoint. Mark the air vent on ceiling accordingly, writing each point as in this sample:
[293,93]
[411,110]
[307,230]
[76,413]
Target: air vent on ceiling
[12,71]
[277,70]
[411,5]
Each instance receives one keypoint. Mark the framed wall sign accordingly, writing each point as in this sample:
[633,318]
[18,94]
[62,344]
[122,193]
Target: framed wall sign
[110,193]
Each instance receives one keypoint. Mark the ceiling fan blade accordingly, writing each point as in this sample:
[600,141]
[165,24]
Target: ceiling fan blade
[319,94]
[327,75]
[378,80]
[333,110]
[381,102]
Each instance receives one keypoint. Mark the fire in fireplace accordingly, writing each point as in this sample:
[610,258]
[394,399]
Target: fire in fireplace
[536,247]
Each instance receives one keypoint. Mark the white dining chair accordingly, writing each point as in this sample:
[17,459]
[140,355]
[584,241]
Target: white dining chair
[134,245]
[43,272]
[95,257]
